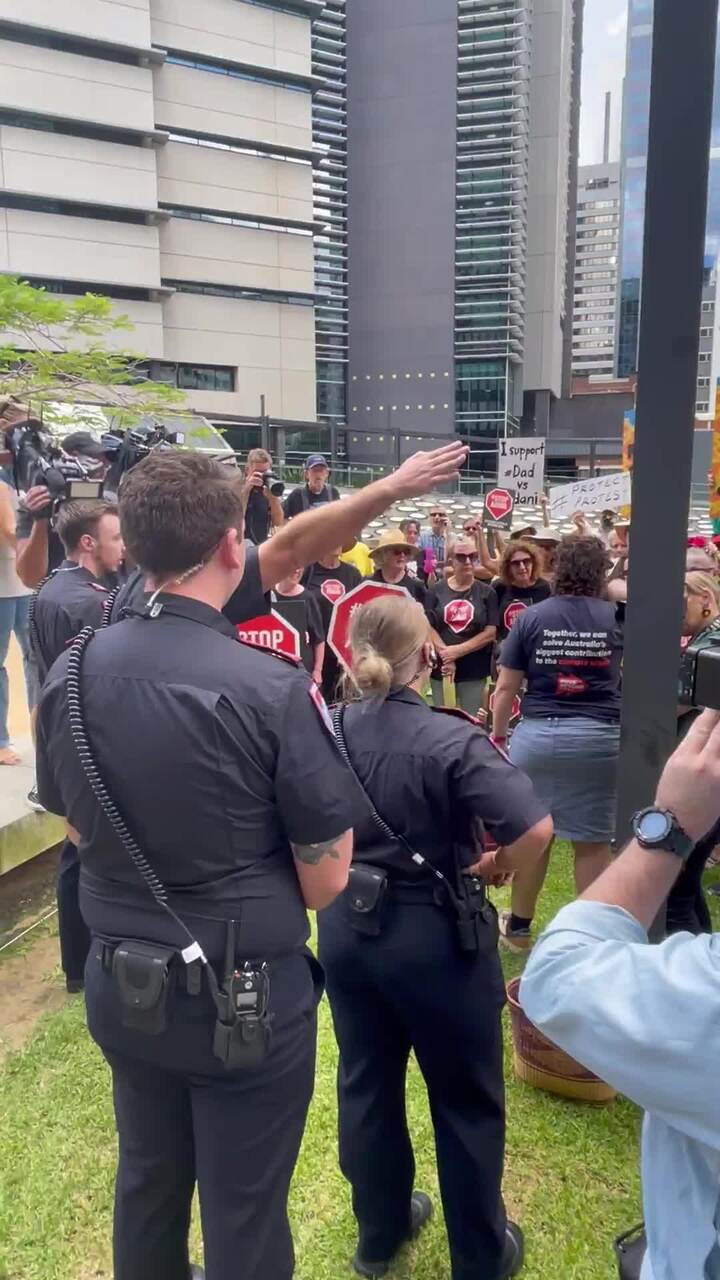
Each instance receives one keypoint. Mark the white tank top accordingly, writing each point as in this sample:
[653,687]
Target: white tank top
[10,584]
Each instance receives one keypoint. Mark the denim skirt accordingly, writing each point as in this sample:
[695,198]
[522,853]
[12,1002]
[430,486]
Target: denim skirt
[572,763]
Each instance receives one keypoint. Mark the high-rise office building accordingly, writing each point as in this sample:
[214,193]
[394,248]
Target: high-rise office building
[597,237]
[636,112]
[160,152]
[460,126]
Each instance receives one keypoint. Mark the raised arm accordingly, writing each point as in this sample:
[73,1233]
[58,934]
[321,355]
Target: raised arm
[314,533]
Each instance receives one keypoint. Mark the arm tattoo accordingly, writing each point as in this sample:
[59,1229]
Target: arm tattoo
[312,854]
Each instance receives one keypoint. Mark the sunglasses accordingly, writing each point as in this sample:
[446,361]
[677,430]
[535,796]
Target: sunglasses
[465,557]
[438,515]
[521,564]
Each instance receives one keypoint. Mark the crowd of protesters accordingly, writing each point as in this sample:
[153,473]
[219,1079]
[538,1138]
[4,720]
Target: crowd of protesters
[524,637]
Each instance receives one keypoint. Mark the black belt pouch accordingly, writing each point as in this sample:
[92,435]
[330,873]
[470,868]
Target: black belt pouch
[143,976]
[630,1252]
[365,898]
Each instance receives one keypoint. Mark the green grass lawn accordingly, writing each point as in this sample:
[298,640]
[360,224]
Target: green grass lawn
[572,1170]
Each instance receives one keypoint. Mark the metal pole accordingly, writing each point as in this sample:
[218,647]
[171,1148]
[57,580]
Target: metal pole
[685,36]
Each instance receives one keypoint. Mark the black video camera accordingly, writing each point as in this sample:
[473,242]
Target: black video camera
[124,449]
[39,460]
[275,486]
[700,670]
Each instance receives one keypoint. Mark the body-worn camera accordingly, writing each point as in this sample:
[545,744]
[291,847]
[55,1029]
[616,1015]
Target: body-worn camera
[273,484]
[700,670]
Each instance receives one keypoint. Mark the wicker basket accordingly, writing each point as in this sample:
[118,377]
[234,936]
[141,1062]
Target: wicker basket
[542,1065]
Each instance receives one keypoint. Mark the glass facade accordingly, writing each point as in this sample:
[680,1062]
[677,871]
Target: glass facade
[330,199]
[636,112]
[491,187]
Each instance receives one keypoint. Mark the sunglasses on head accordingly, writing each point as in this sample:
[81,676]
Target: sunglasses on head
[464,556]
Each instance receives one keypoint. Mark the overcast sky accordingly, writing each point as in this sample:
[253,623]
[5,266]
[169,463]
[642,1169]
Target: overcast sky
[603,69]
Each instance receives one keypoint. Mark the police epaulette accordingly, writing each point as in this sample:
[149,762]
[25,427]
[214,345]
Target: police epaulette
[460,715]
[273,653]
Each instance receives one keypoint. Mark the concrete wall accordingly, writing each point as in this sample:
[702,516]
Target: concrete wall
[48,244]
[68,84]
[33,162]
[233,31]
[190,99]
[402,60]
[122,21]
[211,252]
[204,177]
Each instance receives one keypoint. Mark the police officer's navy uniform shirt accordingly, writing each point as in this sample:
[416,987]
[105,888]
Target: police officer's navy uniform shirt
[570,647]
[74,598]
[432,776]
[458,616]
[247,602]
[217,758]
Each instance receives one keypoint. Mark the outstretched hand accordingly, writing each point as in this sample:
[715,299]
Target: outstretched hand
[690,784]
[424,472]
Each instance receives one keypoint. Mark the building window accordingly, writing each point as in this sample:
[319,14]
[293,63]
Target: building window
[219,143]
[85,46]
[238,291]
[190,377]
[72,208]
[77,288]
[72,128]
[237,220]
[238,71]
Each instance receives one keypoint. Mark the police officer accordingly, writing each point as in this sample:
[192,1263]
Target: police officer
[410,952]
[218,758]
[73,597]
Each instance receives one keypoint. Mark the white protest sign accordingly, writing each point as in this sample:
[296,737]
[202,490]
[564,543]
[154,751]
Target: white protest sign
[521,466]
[602,493]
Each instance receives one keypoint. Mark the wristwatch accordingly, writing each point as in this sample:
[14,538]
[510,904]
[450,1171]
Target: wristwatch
[659,829]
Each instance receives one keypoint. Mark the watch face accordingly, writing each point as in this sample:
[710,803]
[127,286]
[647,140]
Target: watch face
[654,826]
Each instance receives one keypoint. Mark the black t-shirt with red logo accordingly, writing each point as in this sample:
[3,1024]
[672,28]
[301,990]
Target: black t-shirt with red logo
[513,601]
[458,616]
[413,587]
[570,648]
[328,586]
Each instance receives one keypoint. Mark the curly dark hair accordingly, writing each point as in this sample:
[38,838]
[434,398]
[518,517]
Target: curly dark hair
[581,567]
[509,550]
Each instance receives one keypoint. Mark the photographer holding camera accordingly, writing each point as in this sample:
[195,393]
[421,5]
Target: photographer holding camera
[39,549]
[645,1018]
[262,493]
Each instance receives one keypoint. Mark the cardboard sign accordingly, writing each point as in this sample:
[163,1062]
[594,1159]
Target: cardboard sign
[608,492]
[521,466]
[498,509]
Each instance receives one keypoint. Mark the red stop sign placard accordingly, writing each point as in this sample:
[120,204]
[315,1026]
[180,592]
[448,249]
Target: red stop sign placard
[270,632]
[499,503]
[339,629]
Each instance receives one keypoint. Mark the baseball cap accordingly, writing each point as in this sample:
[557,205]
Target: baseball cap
[315,460]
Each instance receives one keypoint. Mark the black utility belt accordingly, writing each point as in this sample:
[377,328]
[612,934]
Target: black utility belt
[144,974]
[370,888]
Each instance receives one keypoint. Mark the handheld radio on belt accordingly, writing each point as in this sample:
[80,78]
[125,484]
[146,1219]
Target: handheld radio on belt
[143,971]
[367,885]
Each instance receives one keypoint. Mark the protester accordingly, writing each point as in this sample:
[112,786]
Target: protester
[328,580]
[14,618]
[547,541]
[569,649]
[519,583]
[74,597]
[644,1018]
[359,555]
[687,910]
[422,564]
[391,557]
[435,539]
[463,615]
[290,589]
[315,492]
[263,511]
[221,760]
[413,965]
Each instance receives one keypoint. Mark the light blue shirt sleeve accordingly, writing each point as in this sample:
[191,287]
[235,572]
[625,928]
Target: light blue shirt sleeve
[644,1018]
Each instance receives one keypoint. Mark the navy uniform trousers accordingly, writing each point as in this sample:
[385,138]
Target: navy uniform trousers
[412,988]
[183,1119]
[72,929]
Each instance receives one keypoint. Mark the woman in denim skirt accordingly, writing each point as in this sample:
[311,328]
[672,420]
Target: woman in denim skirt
[569,650]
